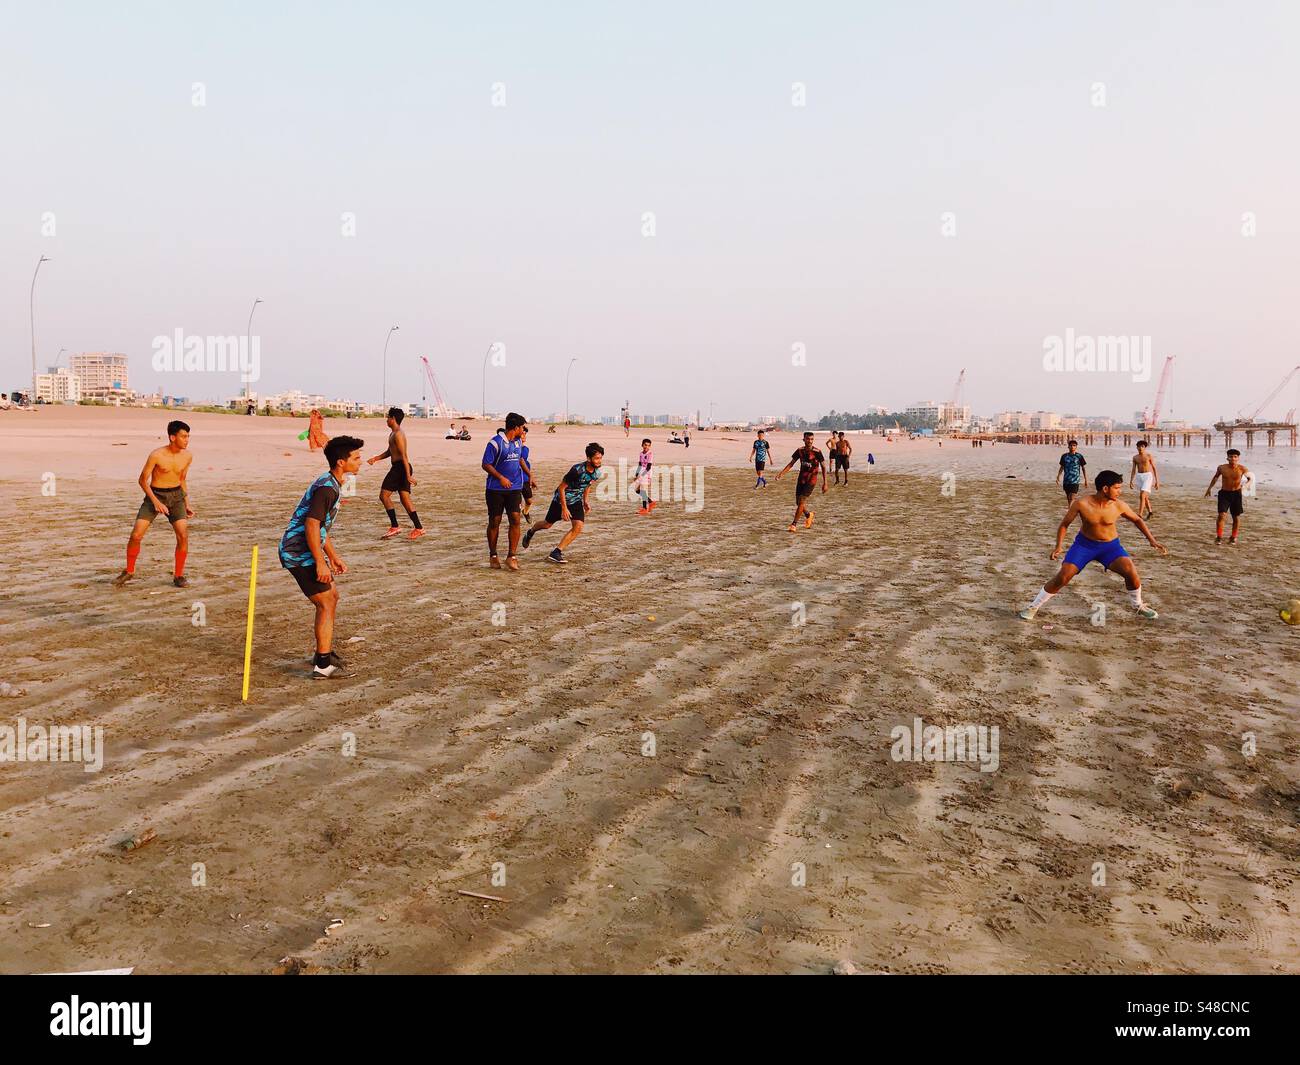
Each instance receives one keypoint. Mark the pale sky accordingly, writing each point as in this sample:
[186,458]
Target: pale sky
[775,225]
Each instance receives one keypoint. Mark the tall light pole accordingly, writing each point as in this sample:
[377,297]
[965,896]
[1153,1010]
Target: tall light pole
[32,308]
[566,388]
[483,408]
[248,337]
[385,388]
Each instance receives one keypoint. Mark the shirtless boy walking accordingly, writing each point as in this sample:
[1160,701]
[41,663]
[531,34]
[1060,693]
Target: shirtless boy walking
[400,478]
[1146,475]
[1234,475]
[163,481]
[1098,541]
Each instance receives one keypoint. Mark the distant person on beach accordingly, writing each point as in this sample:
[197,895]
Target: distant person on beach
[644,461]
[505,487]
[843,449]
[165,493]
[627,424]
[686,438]
[309,556]
[1073,468]
[529,484]
[571,502]
[1146,476]
[316,438]
[400,478]
[810,463]
[758,455]
[1098,541]
[1234,475]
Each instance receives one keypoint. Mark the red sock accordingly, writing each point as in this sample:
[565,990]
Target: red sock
[132,553]
[180,562]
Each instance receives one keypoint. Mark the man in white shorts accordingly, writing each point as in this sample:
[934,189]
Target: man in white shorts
[1145,477]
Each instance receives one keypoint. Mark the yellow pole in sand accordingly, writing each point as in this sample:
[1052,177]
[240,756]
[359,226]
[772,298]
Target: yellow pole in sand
[248,639]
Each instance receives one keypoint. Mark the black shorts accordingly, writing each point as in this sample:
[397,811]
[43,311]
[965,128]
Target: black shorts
[395,480]
[803,491]
[842,462]
[760,465]
[576,512]
[1072,488]
[1230,502]
[501,501]
[306,578]
[528,491]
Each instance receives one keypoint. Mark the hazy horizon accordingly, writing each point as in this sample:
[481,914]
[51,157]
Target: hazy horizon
[776,225]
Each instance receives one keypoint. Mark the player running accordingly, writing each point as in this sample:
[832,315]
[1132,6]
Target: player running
[1234,475]
[1146,476]
[163,481]
[810,463]
[641,482]
[400,478]
[571,502]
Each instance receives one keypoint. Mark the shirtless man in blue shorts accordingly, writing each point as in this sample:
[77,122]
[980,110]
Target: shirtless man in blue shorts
[1098,541]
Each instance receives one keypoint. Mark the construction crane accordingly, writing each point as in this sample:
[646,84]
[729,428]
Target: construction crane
[443,411]
[956,389]
[1151,417]
[1242,416]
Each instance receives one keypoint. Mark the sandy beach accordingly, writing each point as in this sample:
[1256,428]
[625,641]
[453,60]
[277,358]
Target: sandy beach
[642,754]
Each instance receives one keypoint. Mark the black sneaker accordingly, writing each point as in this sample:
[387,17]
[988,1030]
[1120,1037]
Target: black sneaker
[528,538]
[326,672]
[181,582]
[555,556]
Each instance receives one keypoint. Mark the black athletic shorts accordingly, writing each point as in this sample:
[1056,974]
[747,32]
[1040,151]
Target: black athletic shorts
[842,462]
[576,512]
[1072,488]
[395,480]
[803,491]
[505,500]
[1230,502]
[759,465]
[528,491]
[306,578]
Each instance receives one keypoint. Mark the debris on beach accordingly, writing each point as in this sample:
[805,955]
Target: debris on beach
[136,842]
[9,691]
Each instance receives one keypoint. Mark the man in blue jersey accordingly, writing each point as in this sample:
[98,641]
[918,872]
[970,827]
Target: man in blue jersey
[758,455]
[503,463]
[1073,469]
[309,556]
[571,502]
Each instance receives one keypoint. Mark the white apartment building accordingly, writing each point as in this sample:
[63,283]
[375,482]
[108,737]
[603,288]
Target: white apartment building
[58,386]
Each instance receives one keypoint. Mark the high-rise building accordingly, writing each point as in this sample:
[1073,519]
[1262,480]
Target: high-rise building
[58,386]
[941,415]
[101,375]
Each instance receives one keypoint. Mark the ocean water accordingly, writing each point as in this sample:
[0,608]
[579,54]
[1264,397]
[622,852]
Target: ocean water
[1278,466]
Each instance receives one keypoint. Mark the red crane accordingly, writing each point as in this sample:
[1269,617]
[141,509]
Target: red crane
[443,411]
[1151,418]
[1242,416]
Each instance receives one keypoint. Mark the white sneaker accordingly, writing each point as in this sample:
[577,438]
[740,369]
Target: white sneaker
[1028,613]
[326,672]
[1147,612]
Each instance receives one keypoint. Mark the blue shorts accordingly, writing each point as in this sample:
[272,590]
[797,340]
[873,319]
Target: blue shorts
[1085,550]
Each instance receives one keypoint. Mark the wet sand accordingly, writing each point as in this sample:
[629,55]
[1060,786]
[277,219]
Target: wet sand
[515,759]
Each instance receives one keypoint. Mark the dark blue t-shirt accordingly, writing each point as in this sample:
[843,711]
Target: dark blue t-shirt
[1072,464]
[503,455]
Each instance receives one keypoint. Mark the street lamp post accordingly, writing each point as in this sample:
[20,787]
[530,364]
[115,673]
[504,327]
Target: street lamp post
[385,388]
[248,339]
[486,354]
[566,388]
[32,308]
